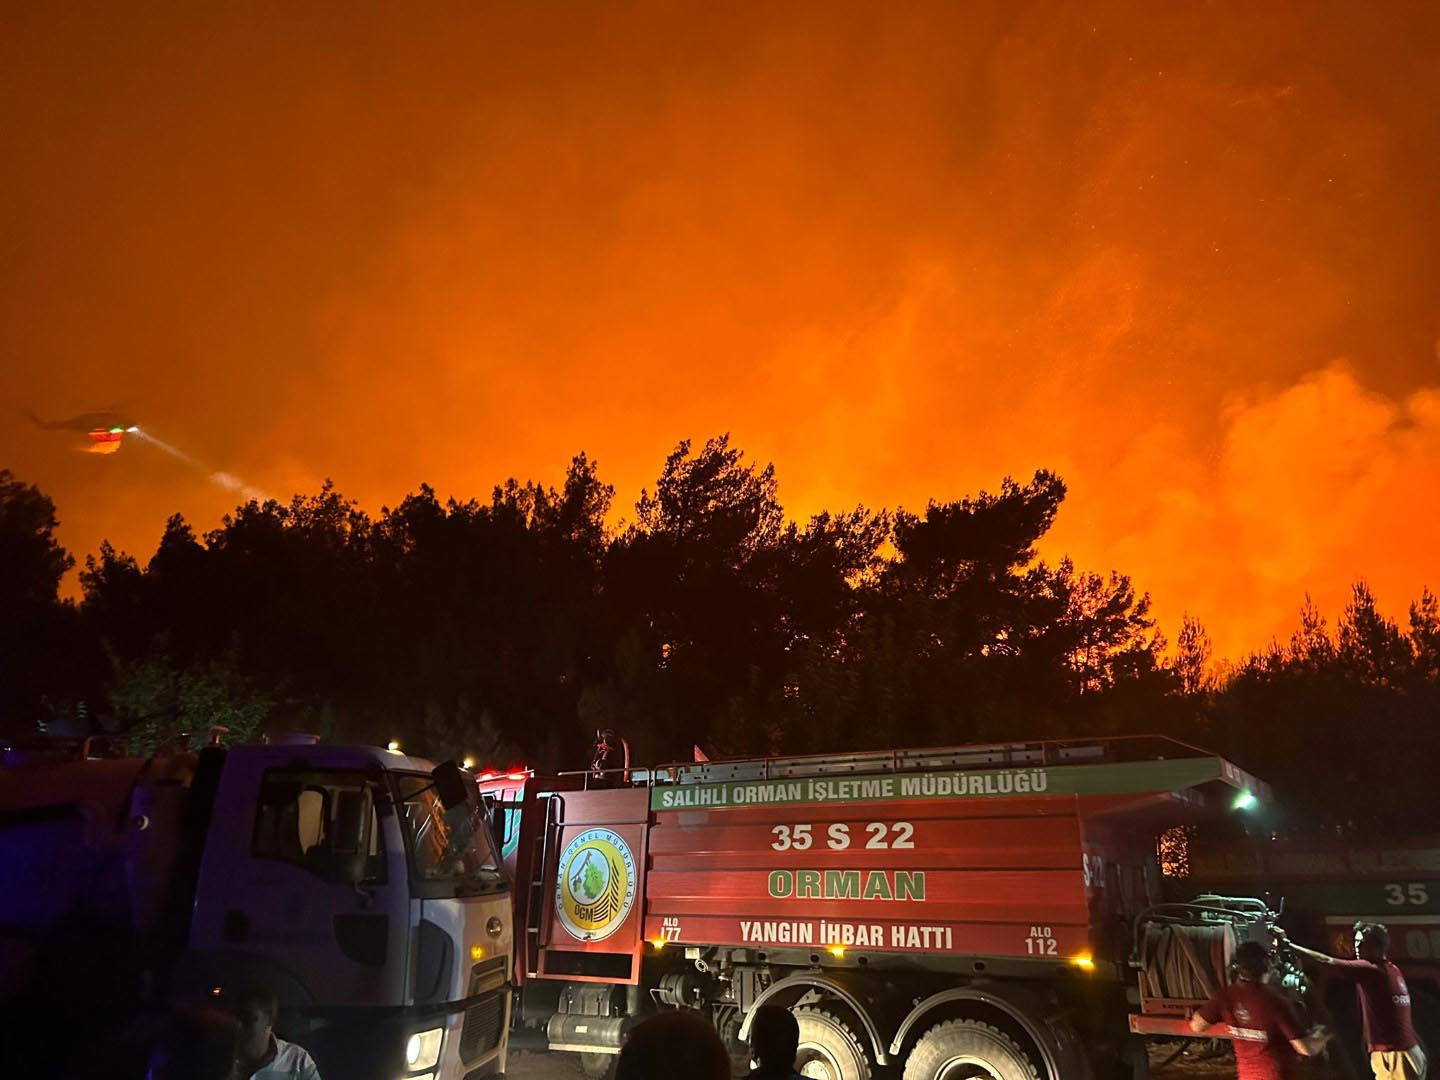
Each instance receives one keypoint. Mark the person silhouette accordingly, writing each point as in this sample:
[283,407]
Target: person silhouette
[1387,1022]
[1264,1030]
[774,1043]
[679,1042]
[196,1044]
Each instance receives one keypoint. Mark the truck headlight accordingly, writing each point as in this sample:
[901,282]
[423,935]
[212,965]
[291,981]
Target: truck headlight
[422,1051]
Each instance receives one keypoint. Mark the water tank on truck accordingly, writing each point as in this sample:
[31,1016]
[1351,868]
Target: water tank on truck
[913,909]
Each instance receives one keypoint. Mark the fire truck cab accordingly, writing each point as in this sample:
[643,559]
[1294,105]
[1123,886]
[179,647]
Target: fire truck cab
[360,886]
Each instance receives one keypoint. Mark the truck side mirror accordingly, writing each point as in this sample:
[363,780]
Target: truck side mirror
[453,785]
[350,844]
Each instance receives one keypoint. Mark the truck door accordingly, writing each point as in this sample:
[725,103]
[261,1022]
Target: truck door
[303,881]
[594,890]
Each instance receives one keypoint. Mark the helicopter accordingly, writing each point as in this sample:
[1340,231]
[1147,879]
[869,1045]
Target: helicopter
[104,429]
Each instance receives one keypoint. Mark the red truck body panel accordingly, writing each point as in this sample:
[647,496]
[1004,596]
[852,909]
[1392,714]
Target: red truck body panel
[1026,863]
[972,878]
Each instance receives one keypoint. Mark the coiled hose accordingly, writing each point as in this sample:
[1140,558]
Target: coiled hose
[1185,960]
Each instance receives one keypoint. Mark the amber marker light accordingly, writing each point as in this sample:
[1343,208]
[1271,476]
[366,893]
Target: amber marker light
[1085,962]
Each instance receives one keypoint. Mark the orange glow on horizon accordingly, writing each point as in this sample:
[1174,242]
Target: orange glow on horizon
[1187,262]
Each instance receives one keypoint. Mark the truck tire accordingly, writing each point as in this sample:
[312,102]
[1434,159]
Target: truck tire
[829,1047]
[966,1049]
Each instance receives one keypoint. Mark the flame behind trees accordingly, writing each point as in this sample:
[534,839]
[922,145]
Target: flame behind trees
[512,628]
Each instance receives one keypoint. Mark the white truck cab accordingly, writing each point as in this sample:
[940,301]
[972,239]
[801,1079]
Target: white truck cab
[359,885]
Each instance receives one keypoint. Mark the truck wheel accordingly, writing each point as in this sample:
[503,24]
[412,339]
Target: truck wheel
[829,1049]
[966,1049]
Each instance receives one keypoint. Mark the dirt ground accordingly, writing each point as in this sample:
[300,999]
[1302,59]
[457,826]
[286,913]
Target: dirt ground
[1192,1066]
[528,1066]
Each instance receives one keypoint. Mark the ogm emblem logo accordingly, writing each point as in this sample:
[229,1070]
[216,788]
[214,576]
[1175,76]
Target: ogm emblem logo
[595,888]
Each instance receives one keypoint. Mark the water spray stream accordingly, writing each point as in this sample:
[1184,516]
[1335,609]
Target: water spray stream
[179,455]
[231,482]
[226,480]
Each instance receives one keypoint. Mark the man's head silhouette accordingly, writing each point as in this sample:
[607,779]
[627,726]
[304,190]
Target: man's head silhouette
[677,1043]
[774,1038]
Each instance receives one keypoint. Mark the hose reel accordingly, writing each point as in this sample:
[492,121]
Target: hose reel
[1185,961]
[1184,951]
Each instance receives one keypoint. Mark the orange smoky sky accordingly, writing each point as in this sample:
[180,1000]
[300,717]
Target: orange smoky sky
[1186,255]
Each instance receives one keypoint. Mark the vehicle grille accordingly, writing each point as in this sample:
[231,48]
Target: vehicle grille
[481,1032]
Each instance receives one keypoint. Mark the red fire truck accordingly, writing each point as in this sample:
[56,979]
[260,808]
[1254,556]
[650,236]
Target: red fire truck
[1324,885]
[984,910]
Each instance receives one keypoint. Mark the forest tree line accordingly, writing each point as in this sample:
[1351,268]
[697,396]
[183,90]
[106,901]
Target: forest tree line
[511,629]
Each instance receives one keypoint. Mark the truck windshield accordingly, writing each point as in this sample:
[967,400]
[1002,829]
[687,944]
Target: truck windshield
[446,847]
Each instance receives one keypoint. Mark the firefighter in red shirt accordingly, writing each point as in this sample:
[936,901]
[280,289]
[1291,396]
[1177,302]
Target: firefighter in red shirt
[1395,1052]
[1264,1030]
